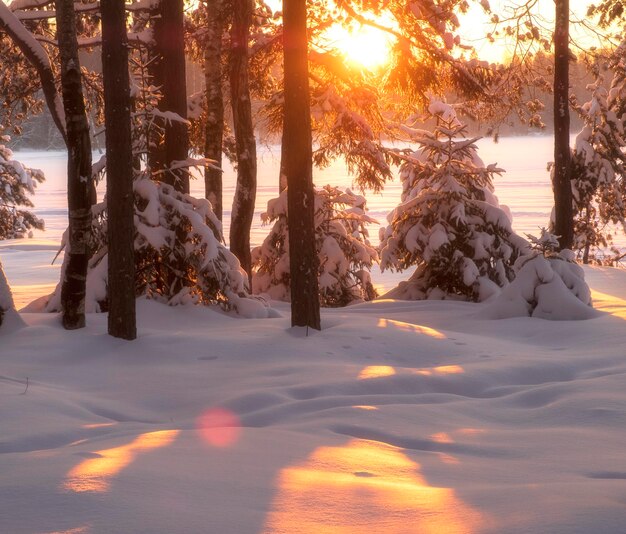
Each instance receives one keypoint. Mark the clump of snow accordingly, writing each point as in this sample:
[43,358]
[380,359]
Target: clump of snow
[343,247]
[547,285]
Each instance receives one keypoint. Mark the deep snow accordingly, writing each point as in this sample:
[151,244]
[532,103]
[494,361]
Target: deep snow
[399,417]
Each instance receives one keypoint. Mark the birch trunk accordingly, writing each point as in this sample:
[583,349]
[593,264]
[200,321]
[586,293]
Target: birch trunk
[245,192]
[298,168]
[79,179]
[119,166]
[214,129]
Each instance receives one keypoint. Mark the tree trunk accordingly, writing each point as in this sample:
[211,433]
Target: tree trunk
[298,166]
[170,43]
[214,129]
[79,179]
[245,193]
[119,166]
[563,211]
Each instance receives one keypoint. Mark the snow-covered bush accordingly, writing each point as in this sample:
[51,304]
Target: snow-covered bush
[548,285]
[345,254]
[449,223]
[16,182]
[599,164]
[178,258]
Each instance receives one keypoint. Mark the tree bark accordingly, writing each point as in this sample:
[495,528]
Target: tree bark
[563,210]
[119,166]
[79,179]
[298,166]
[214,129]
[245,192]
[170,42]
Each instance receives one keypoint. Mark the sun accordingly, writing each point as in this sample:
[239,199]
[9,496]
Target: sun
[363,46]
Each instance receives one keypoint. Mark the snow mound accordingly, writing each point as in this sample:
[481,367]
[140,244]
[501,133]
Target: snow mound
[546,288]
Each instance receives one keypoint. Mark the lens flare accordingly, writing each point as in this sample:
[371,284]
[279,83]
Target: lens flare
[219,427]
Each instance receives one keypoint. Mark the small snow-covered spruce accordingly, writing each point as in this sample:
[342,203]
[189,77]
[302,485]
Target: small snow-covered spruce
[449,223]
[599,164]
[345,254]
[172,229]
[16,182]
[548,285]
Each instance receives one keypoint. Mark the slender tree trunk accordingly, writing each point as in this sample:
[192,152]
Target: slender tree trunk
[214,129]
[282,177]
[298,165]
[156,73]
[120,198]
[79,179]
[245,193]
[170,42]
[563,211]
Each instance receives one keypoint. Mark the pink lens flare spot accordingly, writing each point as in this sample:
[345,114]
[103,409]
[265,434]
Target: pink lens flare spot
[219,427]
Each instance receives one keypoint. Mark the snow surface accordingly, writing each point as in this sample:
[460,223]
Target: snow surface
[398,417]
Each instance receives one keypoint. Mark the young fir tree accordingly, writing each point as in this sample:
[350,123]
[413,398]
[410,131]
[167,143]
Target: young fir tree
[16,182]
[449,224]
[599,165]
[341,240]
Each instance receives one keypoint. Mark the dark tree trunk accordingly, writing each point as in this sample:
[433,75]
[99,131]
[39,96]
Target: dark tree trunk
[563,211]
[79,179]
[245,193]
[214,130]
[298,167]
[119,166]
[170,44]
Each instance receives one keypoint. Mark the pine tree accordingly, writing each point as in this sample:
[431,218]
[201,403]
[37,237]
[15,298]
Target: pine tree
[119,169]
[298,167]
[449,223]
[561,170]
[599,164]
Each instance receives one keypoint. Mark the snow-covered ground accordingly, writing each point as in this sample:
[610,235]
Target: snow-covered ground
[398,417]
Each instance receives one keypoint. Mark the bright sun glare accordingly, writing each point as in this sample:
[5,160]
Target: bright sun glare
[362,45]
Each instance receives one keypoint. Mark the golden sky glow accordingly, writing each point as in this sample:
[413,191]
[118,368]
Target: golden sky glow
[361,45]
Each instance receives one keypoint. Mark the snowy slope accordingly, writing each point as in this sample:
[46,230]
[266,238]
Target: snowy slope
[399,417]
